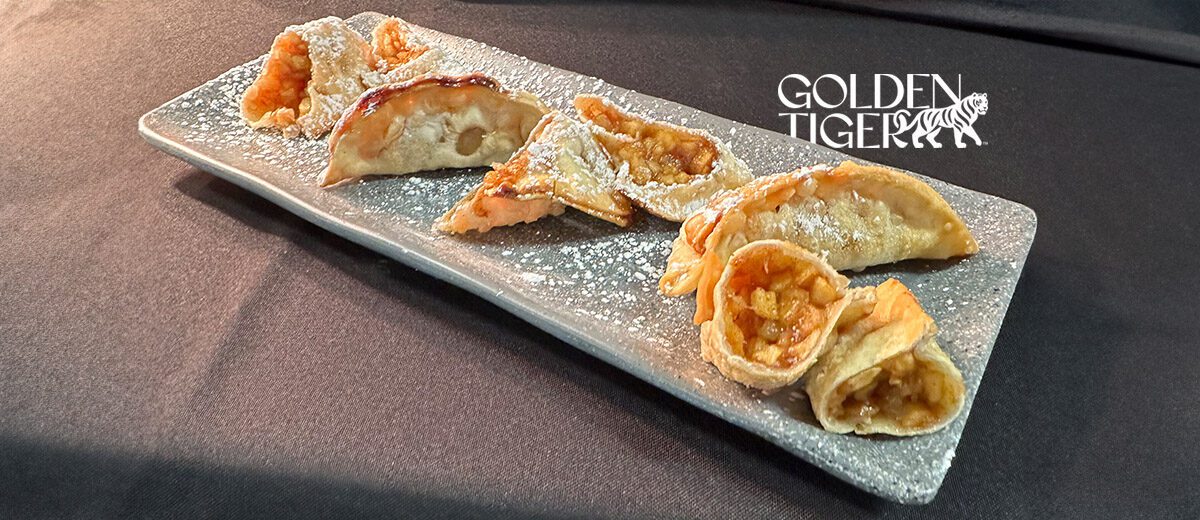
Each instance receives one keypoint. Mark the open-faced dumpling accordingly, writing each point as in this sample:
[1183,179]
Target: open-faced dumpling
[883,371]
[429,123]
[776,305]
[561,164]
[856,216]
[314,71]
[669,170]
[403,55]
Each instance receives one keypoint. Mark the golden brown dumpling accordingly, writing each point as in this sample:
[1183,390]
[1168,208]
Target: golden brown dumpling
[776,305]
[429,123]
[856,216]
[669,170]
[561,164]
[883,371]
[314,71]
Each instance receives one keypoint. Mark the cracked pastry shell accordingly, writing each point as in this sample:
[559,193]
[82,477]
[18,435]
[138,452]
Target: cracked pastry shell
[856,216]
[776,305]
[428,123]
[883,371]
[668,170]
[313,72]
[561,164]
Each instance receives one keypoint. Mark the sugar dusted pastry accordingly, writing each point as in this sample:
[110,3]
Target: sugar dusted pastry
[776,305]
[314,71]
[403,55]
[561,164]
[428,123]
[883,371]
[669,170]
[856,216]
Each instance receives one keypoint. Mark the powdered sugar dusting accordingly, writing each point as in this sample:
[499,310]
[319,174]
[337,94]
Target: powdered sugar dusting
[595,283]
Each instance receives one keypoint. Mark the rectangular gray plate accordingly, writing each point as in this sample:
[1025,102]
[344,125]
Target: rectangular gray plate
[594,285]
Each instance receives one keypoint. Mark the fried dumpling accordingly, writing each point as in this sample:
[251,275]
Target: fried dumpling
[561,164]
[669,170]
[428,123]
[856,216]
[314,71]
[776,305]
[403,55]
[883,371]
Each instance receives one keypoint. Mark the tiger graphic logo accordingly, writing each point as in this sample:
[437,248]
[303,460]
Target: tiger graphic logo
[959,116]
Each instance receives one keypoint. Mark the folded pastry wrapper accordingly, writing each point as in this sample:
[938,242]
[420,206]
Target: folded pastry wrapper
[689,165]
[402,54]
[883,371]
[855,216]
[561,164]
[428,123]
[314,71]
[775,288]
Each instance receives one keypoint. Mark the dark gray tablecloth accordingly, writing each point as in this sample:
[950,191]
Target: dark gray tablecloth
[174,347]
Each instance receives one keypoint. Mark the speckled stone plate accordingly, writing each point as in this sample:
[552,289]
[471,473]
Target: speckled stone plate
[595,285]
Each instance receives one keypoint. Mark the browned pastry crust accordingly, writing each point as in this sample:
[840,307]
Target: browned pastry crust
[428,123]
[856,216]
[561,164]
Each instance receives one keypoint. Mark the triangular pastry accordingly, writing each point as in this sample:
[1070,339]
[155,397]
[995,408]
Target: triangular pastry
[314,71]
[669,170]
[776,305]
[883,371]
[428,123]
[561,164]
[856,216]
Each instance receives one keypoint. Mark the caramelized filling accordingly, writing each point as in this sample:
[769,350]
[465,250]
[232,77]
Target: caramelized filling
[281,88]
[775,305]
[658,153]
[495,202]
[391,44]
[898,389]
[502,179]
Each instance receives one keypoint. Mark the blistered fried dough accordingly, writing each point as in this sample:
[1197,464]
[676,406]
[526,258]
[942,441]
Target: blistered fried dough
[775,306]
[561,164]
[428,123]
[669,170]
[314,71]
[403,54]
[884,371]
[856,216]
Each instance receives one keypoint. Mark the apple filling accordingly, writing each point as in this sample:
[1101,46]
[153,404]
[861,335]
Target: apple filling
[774,305]
[904,389]
[392,44]
[279,96]
[657,152]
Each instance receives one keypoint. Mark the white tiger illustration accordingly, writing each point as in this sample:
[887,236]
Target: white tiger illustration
[959,116]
